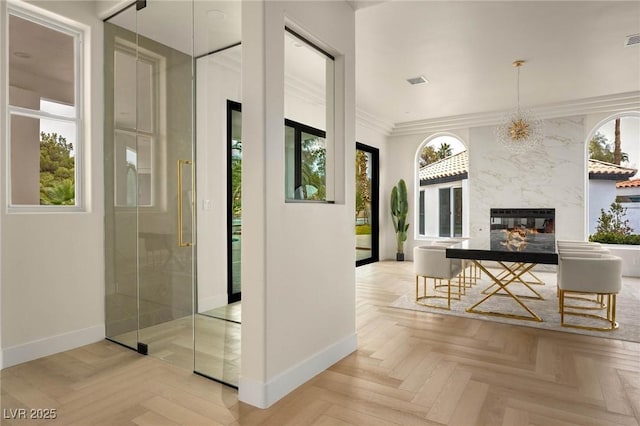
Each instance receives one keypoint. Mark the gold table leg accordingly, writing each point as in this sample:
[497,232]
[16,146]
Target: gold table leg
[515,270]
[502,285]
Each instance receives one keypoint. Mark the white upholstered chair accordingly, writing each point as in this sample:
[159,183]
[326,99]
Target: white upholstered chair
[598,274]
[431,262]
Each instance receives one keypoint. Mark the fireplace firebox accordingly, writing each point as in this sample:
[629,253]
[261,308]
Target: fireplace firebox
[523,229]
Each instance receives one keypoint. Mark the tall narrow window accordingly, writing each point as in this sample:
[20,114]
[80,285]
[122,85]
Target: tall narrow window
[445,212]
[44,112]
[421,206]
[309,147]
[136,126]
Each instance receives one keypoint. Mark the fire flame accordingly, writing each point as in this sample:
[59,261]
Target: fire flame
[516,238]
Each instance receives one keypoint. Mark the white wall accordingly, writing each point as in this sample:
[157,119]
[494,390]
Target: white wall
[553,177]
[401,164]
[52,264]
[601,194]
[218,79]
[298,258]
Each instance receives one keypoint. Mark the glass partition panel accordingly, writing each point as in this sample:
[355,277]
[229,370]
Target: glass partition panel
[121,186]
[219,146]
[150,180]
[164,148]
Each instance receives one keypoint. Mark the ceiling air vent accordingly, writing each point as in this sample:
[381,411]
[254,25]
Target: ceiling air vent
[417,80]
[632,39]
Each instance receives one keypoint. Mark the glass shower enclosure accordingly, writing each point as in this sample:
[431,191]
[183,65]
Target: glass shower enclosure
[150,178]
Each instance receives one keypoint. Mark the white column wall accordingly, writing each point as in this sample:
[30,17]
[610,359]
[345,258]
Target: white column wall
[298,258]
[52,264]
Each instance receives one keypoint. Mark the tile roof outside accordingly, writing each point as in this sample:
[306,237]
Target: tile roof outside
[634,183]
[455,165]
[458,164]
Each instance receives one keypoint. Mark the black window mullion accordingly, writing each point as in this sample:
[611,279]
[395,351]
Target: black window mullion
[297,160]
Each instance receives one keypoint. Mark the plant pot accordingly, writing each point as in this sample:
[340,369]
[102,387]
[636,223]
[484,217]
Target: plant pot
[400,257]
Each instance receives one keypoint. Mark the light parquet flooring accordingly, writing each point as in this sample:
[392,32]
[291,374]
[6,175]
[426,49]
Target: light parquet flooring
[411,368]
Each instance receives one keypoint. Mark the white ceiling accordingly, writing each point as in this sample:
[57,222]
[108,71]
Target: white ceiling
[573,49]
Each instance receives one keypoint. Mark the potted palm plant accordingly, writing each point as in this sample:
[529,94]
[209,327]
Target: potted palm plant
[399,211]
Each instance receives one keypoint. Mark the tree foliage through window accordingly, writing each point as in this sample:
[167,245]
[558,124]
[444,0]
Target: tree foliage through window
[430,154]
[601,149]
[57,170]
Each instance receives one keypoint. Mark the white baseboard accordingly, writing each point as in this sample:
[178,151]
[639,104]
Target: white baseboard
[51,345]
[212,302]
[263,395]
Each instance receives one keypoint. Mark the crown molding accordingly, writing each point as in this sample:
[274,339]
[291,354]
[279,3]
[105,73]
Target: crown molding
[616,103]
[370,121]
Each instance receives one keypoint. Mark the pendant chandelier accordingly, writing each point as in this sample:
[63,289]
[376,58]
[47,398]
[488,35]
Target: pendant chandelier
[520,131]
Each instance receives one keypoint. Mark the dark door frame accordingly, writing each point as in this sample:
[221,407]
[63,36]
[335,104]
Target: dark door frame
[231,296]
[375,201]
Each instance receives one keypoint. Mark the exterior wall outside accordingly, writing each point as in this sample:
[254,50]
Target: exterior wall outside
[52,264]
[432,206]
[633,209]
[298,258]
[601,194]
[633,216]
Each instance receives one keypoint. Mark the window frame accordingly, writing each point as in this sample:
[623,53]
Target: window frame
[333,156]
[298,129]
[157,201]
[78,35]
[453,205]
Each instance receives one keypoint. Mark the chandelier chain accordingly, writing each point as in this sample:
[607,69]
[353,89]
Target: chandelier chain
[518,88]
[520,131]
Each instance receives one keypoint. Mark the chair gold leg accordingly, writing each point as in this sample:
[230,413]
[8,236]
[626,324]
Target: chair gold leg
[609,318]
[422,299]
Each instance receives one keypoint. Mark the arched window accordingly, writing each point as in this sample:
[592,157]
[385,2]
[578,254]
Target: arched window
[441,174]
[613,170]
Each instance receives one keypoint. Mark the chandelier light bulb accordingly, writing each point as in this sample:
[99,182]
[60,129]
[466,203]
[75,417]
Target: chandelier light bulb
[520,131]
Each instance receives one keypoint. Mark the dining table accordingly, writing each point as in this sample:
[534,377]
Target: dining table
[514,266]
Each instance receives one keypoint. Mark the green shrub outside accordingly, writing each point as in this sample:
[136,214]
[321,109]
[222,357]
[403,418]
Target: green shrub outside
[613,227]
[363,229]
[615,238]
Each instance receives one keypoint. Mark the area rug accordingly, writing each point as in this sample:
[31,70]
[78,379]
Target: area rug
[627,312]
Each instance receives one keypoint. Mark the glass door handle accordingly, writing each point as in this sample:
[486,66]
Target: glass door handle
[181,163]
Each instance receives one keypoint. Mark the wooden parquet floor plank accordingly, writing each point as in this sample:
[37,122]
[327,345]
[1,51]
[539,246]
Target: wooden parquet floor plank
[411,368]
